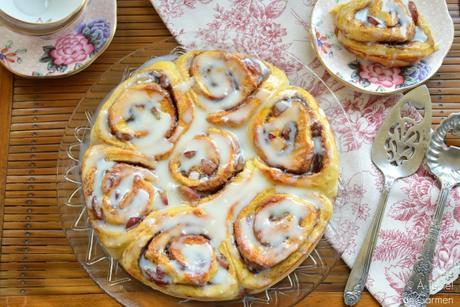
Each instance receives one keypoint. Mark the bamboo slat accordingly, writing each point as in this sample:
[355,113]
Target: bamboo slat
[37,265]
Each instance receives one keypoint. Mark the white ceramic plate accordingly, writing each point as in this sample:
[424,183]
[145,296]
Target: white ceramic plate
[374,78]
[40,11]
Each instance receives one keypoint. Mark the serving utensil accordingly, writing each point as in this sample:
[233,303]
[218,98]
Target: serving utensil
[398,151]
[444,163]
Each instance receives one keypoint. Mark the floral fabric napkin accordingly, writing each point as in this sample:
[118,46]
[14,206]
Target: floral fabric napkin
[273,26]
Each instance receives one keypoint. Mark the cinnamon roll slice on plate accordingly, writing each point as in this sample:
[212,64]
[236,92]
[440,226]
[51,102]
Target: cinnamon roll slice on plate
[389,32]
[229,86]
[381,47]
[145,113]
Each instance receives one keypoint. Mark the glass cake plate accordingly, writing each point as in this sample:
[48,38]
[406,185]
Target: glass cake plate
[108,274]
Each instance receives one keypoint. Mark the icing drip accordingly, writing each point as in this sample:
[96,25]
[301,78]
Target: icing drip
[122,193]
[419,36]
[138,109]
[224,82]
[361,15]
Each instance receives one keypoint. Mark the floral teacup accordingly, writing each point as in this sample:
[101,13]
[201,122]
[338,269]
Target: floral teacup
[64,52]
[374,78]
[39,16]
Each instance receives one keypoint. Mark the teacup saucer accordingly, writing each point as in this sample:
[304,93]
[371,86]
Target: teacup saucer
[374,78]
[64,52]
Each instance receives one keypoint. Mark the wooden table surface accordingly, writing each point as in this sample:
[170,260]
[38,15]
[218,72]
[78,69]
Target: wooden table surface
[37,266]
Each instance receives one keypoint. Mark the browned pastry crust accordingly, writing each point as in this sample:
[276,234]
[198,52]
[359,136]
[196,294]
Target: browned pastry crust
[388,32]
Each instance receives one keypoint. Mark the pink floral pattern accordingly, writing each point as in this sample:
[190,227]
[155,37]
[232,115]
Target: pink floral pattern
[365,114]
[72,48]
[75,48]
[417,209]
[378,74]
[269,28]
[170,9]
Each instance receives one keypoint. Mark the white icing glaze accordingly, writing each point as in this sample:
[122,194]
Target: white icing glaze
[274,155]
[362,14]
[404,19]
[215,76]
[184,86]
[420,35]
[201,148]
[151,268]
[136,205]
[225,84]
[143,119]
[269,231]
[390,7]
[197,256]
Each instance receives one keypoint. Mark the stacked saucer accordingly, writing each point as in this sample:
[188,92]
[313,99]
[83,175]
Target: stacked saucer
[50,38]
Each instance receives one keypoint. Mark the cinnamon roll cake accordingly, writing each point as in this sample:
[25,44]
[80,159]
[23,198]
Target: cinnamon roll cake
[210,177]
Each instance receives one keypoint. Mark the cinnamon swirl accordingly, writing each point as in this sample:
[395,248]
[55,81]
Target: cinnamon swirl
[229,86]
[295,143]
[177,254]
[145,113]
[389,32]
[207,162]
[273,233]
[119,187]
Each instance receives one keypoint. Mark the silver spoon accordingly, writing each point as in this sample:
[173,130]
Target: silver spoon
[443,162]
[398,151]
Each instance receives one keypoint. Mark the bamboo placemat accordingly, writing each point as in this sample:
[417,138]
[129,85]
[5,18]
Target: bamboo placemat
[37,265]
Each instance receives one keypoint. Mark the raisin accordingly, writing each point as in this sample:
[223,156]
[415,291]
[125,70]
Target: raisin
[190,154]
[413,11]
[163,197]
[132,221]
[189,193]
[208,166]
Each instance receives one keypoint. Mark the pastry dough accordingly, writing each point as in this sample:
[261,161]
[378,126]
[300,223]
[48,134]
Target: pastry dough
[244,82]
[119,188]
[231,196]
[389,32]
[144,113]
[295,143]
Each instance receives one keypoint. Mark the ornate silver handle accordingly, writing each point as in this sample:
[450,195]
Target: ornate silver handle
[358,276]
[417,290]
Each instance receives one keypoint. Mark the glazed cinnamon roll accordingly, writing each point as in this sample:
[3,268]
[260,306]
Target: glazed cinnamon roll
[229,86]
[389,32]
[217,201]
[179,254]
[145,113]
[119,188]
[294,142]
[206,163]
[273,233]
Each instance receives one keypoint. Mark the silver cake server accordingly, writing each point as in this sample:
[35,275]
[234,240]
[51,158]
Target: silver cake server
[444,162]
[398,151]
